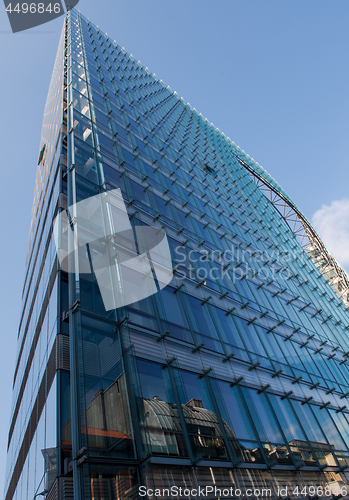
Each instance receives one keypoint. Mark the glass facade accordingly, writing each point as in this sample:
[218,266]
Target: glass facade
[234,375]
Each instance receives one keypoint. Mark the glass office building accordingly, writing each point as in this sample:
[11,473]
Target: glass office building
[235,375]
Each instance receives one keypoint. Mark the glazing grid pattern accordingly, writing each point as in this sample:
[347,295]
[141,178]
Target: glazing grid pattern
[253,333]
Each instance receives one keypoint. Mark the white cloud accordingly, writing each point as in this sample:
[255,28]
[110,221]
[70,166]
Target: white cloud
[332,224]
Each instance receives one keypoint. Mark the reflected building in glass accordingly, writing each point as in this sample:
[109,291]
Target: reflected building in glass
[235,375]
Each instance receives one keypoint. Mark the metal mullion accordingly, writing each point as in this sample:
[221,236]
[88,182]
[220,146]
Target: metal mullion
[75,320]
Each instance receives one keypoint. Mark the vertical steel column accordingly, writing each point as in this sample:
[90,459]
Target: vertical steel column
[74,288]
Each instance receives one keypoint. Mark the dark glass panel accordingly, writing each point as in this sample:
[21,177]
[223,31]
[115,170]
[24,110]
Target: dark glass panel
[106,418]
[232,407]
[203,425]
[159,419]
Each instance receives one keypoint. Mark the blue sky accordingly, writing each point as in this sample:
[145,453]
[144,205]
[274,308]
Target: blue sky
[272,75]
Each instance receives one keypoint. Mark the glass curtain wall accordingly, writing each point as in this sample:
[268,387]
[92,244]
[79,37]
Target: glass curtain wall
[235,374]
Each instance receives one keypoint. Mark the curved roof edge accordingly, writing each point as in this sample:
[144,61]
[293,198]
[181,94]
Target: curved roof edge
[328,266]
